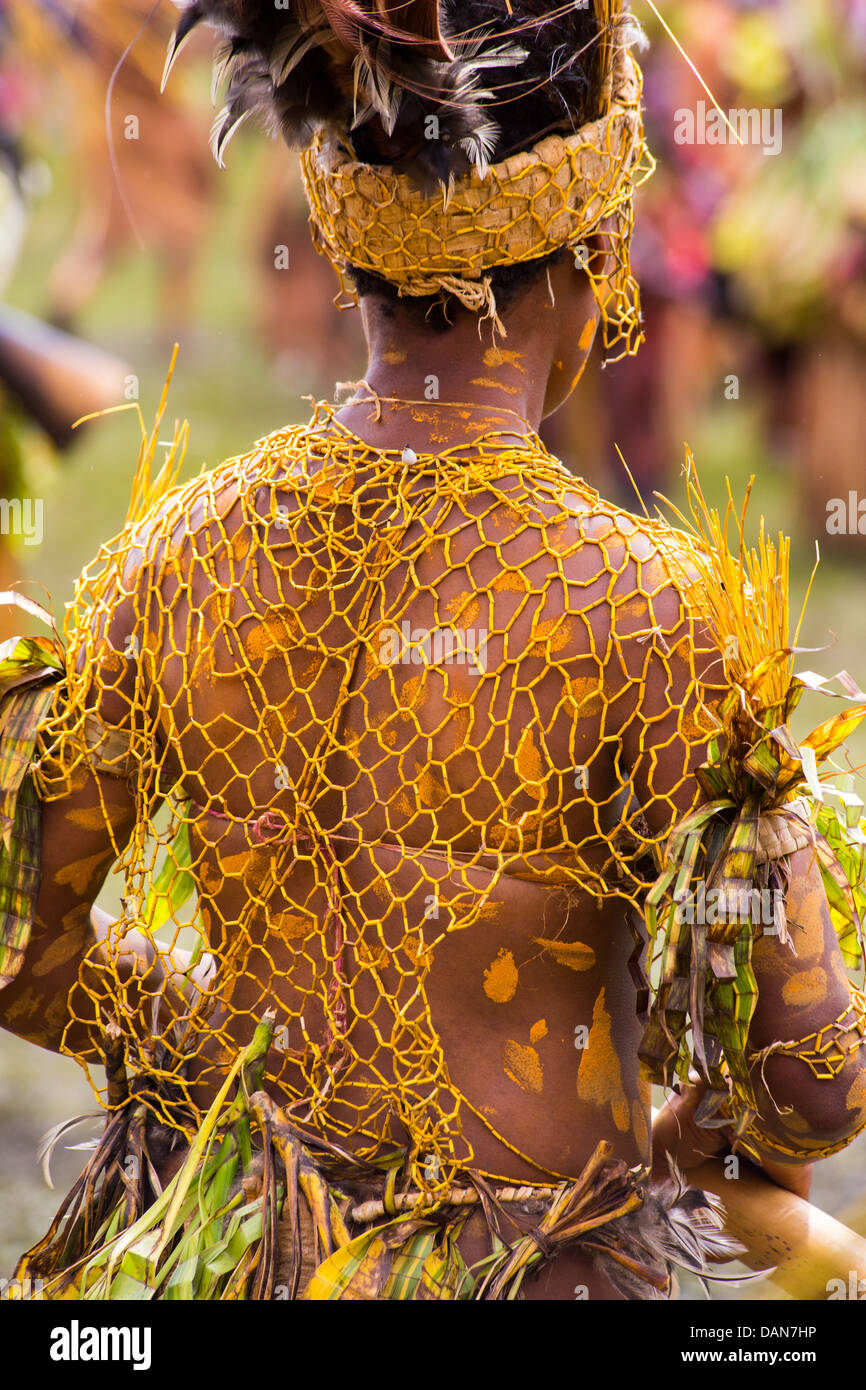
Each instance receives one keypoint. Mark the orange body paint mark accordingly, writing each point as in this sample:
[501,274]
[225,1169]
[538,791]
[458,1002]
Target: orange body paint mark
[538,1031]
[432,792]
[500,979]
[464,608]
[522,1065]
[632,608]
[576,955]
[271,637]
[58,953]
[599,1075]
[510,582]
[856,1097]
[501,357]
[23,1006]
[586,693]
[809,937]
[82,873]
[527,759]
[210,877]
[246,864]
[551,634]
[587,333]
[88,818]
[806,988]
[293,925]
[410,692]
[838,967]
[797,1123]
[241,542]
[55,1013]
[490,912]
[495,385]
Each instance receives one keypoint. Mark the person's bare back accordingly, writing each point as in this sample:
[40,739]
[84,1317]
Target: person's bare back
[429,763]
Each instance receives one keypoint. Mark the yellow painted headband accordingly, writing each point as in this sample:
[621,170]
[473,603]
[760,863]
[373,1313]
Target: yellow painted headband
[556,194]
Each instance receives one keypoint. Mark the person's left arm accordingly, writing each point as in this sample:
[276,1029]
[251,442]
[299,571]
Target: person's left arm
[806,1109]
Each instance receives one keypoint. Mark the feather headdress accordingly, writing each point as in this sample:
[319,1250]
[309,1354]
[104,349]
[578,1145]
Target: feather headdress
[350,65]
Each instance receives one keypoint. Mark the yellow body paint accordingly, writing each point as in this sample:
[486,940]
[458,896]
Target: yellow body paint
[510,582]
[522,1065]
[432,792]
[856,1097]
[587,695]
[599,1074]
[500,980]
[210,877]
[576,955]
[587,333]
[263,639]
[89,819]
[495,385]
[809,938]
[409,696]
[58,953]
[241,543]
[806,988]
[501,357]
[538,1031]
[490,912]
[292,925]
[81,874]
[527,759]
[551,635]
[404,805]
[464,608]
[797,1123]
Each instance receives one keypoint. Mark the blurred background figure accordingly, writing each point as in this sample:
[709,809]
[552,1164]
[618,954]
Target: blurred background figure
[792,239]
[140,160]
[297,317]
[752,265]
[46,377]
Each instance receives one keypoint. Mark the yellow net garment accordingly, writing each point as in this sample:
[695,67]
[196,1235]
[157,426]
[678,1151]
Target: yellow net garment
[351,691]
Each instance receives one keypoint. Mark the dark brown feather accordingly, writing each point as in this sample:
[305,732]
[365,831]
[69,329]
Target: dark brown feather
[374,72]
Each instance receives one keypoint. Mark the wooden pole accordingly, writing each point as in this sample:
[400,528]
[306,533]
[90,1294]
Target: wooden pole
[807,1247]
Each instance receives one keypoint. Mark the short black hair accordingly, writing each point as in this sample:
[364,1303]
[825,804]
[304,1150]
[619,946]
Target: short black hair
[437,311]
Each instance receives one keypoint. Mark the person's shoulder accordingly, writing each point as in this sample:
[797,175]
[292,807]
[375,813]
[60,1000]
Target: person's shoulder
[598,531]
[167,528]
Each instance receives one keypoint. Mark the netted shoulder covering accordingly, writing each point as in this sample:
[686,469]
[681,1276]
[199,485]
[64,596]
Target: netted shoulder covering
[351,691]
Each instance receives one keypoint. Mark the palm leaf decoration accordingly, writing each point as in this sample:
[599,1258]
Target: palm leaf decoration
[706,995]
[30,668]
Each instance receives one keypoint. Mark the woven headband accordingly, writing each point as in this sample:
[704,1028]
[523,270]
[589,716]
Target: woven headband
[555,194]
